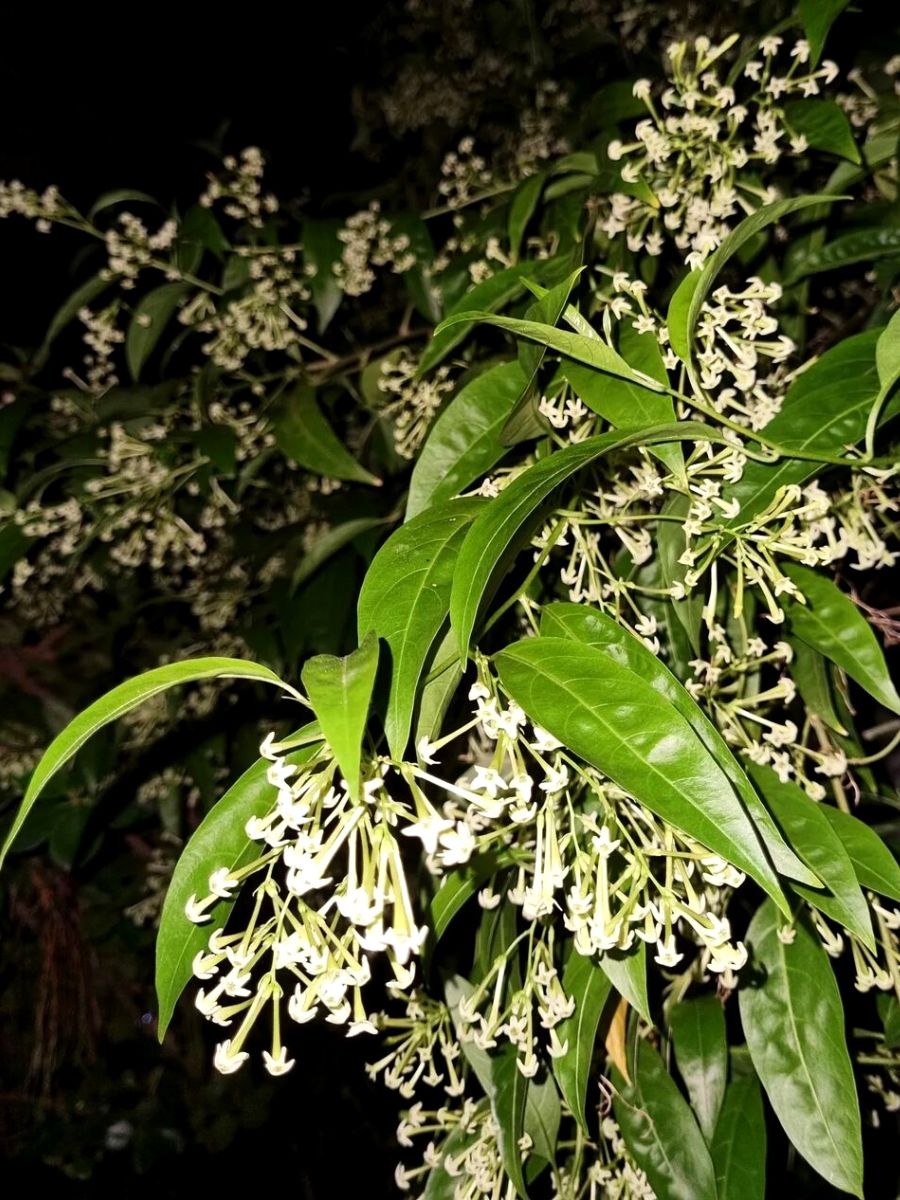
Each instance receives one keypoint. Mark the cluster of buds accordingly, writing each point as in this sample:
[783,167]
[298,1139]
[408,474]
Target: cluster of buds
[369,242]
[239,189]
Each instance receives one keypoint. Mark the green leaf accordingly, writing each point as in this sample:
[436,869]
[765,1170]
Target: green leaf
[218,841]
[543,1113]
[628,405]
[148,323]
[441,1184]
[509,1089]
[739,1143]
[887,353]
[322,249]
[522,209]
[817,17]
[623,727]
[464,442]
[671,542]
[863,245]
[592,351]
[418,277]
[69,310]
[794,1024]
[873,862]
[809,670]
[701,1052]
[589,987]
[831,623]
[305,436]
[660,1131]
[627,972]
[120,196]
[405,600]
[491,539]
[684,310]
[596,628]
[808,831]
[114,704]
[332,540]
[340,691]
[492,294]
[889,1011]
[458,886]
[825,126]
[443,676]
[825,409]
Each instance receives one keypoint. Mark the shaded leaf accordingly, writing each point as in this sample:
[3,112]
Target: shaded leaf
[701,1052]
[825,126]
[116,703]
[793,1020]
[149,321]
[817,17]
[305,436]
[322,249]
[862,245]
[589,987]
[739,1142]
[873,862]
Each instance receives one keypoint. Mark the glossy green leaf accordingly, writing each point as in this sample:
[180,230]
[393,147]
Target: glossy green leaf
[405,600]
[809,832]
[809,671]
[887,354]
[322,250]
[873,862]
[441,1184]
[627,972]
[443,674]
[418,277]
[340,691]
[793,1020]
[305,436]
[825,408]
[492,295]
[591,351]
[149,321]
[464,442]
[622,726]
[116,703]
[889,1011]
[862,245]
[509,1089]
[817,17]
[671,542]
[331,541]
[218,841]
[628,405]
[491,541]
[660,1131]
[739,1142]
[701,1052]
[596,628]
[589,987]
[543,1114]
[684,311]
[522,209]
[120,196]
[831,623]
[825,126]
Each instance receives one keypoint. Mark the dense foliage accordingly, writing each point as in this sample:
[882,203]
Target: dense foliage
[544,536]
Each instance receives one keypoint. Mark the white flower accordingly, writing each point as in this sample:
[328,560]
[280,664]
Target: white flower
[222,884]
[195,910]
[277,1064]
[666,954]
[228,1061]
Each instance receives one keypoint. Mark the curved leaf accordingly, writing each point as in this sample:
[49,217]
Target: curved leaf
[405,599]
[622,726]
[831,623]
[114,704]
[794,1024]
[739,1142]
[817,17]
[464,442]
[458,886]
[340,691]
[218,841]
[825,126]
[589,987]
[825,409]
[684,311]
[492,536]
[807,828]
[322,250]
[809,670]
[862,245]
[701,1052]
[335,538]
[873,862]
[305,436]
[509,1089]
[661,1134]
[592,351]
[596,628]
[521,210]
[627,972]
[149,321]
